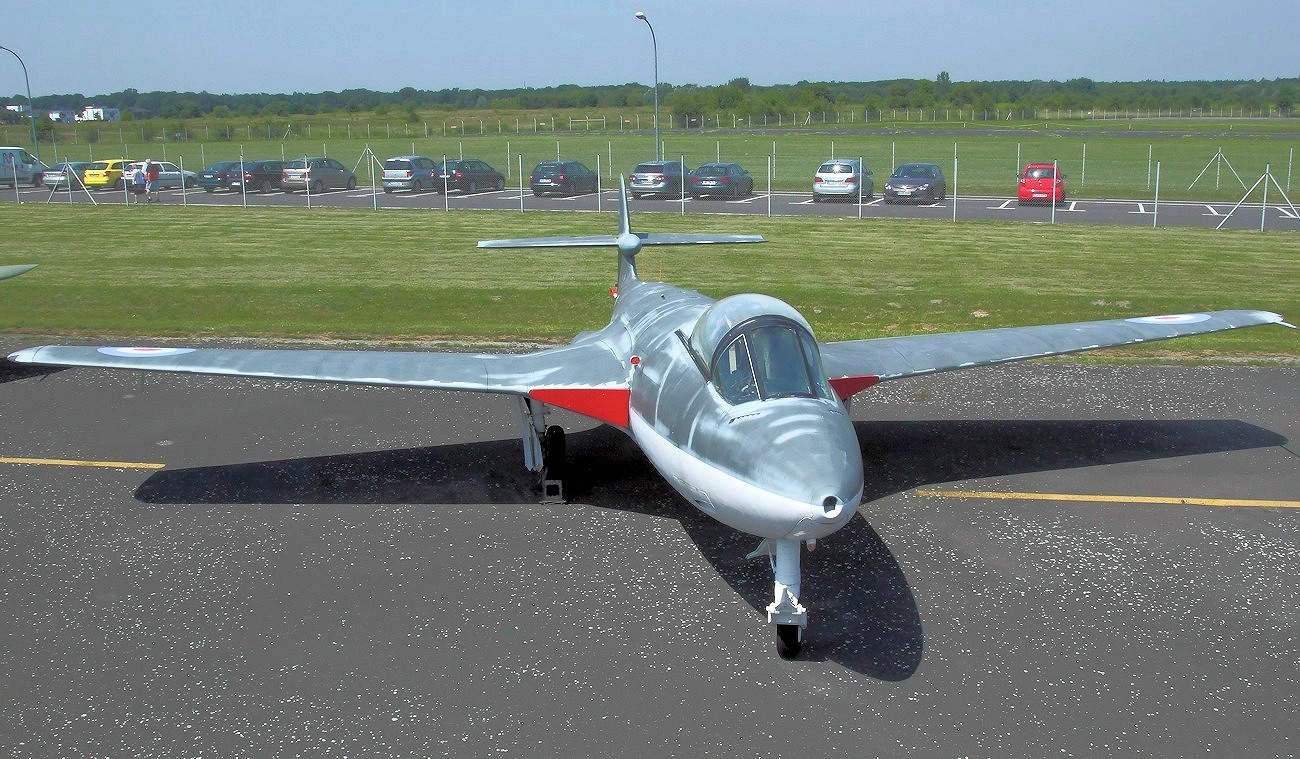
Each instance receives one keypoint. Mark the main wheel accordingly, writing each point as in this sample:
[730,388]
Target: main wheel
[553,452]
[788,643]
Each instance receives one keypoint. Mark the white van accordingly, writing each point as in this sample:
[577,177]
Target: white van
[17,162]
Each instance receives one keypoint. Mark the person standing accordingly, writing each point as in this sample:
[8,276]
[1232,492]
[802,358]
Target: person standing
[138,183]
[151,171]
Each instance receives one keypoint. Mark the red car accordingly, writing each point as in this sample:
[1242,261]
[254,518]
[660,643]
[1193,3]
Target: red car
[1039,184]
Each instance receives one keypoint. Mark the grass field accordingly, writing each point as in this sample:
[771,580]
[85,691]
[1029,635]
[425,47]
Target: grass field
[1101,159]
[399,275]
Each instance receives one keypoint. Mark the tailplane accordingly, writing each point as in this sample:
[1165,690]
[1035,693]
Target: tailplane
[629,243]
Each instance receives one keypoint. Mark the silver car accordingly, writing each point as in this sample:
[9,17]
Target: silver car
[61,174]
[657,178]
[169,174]
[410,172]
[316,174]
[843,178]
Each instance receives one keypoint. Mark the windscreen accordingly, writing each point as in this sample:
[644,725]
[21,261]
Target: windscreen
[836,168]
[711,171]
[394,164]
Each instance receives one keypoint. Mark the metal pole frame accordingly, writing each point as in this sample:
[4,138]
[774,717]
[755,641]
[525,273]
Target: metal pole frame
[31,110]
[654,42]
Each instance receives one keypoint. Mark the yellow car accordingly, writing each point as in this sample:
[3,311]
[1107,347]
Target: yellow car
[102,175]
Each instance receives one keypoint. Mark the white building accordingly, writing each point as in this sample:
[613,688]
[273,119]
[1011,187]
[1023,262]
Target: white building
[95,113]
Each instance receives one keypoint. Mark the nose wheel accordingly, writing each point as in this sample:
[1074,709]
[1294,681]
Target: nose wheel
[789,641]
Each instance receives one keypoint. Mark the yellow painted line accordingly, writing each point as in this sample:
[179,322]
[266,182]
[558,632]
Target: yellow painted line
[1080,498]
[75,462]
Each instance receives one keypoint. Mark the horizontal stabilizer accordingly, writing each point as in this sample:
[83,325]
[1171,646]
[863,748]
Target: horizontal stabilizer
[682,238]
[575,241]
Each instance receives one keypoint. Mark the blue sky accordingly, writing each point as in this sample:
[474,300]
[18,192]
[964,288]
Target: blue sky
[237,46]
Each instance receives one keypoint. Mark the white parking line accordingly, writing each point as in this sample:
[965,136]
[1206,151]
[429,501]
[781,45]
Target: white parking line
[1211,210]
[1142,208]
[1287,213]
[1006,206]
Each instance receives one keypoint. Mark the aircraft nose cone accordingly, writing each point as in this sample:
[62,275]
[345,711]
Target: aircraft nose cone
[814,459]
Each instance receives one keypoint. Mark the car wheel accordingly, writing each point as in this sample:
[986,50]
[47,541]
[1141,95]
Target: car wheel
[352,183]
[473,186]
[501,184]
[317,187]
[37,179]
[817,198]
[190,184]
[119,185]
[208,189]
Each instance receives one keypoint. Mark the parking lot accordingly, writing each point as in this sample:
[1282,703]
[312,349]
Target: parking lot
[1182,213]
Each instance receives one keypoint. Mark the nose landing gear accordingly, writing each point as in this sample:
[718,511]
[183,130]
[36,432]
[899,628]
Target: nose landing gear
[785,611]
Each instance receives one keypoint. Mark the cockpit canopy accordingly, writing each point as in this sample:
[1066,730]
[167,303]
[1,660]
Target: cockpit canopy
[755,347]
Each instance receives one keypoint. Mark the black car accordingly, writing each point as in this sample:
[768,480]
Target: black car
[727,179]
[916,181]
[218,175]
[467,175]
[258,176]
[563,177]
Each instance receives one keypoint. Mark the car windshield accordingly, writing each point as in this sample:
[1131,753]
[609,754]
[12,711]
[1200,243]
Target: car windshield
[711,171]
[651,168]
[296,163]
[836,168]
[394,164]
[1039,173]
[917,170]
[98,166]
[547,170]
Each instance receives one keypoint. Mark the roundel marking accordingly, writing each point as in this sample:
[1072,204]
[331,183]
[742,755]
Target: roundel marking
[1171,319]
[145,352]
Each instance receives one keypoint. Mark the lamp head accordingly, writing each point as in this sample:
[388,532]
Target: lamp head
[640,15]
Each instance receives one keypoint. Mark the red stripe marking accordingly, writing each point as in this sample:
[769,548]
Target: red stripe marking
[609,405]
[848,386]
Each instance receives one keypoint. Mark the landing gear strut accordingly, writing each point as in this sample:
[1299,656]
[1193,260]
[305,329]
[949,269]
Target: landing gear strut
[785,611]
[543,448]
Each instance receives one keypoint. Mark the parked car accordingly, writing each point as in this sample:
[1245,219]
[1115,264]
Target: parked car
[713,179]
[409,172]
[316,175]
[657,178]
[169,174]
[103,175]
[843,178]
[468,175]
[259,176]
[69,172]
[916,181]
[563,177]
[1040,184]
[218,175]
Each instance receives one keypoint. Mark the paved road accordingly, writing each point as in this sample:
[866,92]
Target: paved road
[334,570]
[1080,211]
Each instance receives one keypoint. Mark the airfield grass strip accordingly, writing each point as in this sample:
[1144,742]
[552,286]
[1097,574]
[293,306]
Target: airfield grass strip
[416,275]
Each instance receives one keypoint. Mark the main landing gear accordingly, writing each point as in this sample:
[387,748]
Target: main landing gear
[785,611]
[543,448]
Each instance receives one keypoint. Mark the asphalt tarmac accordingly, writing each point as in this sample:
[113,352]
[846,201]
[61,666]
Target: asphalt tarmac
[329,570]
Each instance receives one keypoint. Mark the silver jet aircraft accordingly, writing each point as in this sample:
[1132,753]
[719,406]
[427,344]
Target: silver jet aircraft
[734,401]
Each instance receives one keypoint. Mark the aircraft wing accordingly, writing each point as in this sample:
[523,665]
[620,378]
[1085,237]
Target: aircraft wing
[12,271]
[890,358]
[587,378]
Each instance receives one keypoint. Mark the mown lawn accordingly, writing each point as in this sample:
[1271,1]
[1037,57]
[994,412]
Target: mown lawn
[416,275]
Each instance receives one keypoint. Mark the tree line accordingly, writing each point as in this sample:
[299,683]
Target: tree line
[1276,96]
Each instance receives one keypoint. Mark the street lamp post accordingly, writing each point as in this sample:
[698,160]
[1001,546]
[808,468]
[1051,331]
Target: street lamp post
[655,43]
[31,109]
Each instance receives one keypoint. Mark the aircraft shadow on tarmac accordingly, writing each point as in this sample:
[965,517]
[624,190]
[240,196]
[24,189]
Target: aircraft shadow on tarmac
[11,372]
[865,617]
